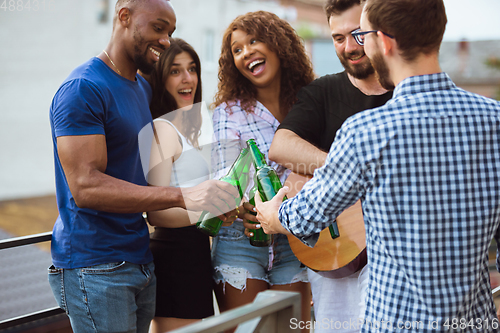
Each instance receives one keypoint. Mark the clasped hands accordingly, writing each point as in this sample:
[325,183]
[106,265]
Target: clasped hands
[266,218]
[213,194]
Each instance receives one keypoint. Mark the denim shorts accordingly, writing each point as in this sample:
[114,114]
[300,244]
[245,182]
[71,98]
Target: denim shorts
[114,297]
[235,260]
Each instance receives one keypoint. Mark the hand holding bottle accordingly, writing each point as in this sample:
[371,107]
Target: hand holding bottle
[214,196]
[249,218]
[267,213]
[247,214]
[238,178]
[267,185]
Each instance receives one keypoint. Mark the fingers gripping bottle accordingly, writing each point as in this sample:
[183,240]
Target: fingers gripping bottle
[267,183]
[236,176]
[259,238]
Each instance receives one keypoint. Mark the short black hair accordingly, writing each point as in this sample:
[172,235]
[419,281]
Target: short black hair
[337,7]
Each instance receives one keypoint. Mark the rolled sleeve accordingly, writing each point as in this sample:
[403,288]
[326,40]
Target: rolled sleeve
[334,187]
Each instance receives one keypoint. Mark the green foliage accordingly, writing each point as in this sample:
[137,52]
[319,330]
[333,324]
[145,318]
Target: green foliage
[305,31]
[494,63]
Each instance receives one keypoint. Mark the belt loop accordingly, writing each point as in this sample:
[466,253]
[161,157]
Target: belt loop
[146,271]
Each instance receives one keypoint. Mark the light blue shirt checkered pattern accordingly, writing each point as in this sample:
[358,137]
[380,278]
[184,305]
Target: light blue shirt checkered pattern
[427,168]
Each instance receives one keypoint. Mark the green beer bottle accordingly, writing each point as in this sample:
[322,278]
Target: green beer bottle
[259,238]
[266,179]
[239,178]
[334,230]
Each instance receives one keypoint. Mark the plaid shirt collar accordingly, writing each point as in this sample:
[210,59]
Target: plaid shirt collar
[423,84]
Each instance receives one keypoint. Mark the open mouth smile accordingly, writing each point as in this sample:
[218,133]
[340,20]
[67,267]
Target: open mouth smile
[186,93]
[156,53]
[257,66]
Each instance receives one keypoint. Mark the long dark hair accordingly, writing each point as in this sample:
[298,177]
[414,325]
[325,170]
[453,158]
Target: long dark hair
[281,38]
[163,102]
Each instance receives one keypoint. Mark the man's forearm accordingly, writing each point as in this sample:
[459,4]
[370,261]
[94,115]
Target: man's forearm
[295,153]
[105,193]
[109,194]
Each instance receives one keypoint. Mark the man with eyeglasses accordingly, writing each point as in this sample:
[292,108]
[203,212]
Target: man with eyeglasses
[304,138]
[426,167]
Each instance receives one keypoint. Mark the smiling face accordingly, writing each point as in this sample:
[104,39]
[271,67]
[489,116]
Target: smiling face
[153,24]
[351,54]
[255,60]
[182,80]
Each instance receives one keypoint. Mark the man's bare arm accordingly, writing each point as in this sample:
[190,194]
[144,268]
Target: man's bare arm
[84,160]
[295,153]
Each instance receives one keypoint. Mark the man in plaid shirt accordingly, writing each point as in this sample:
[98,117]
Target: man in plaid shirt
[426,167]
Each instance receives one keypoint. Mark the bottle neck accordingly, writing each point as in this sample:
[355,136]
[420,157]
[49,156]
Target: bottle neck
[240,162]
[258,158]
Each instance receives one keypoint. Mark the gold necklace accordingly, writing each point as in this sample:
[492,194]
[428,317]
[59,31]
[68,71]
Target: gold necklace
[112,63]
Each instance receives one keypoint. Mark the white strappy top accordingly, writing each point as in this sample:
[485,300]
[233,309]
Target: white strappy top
[190,168]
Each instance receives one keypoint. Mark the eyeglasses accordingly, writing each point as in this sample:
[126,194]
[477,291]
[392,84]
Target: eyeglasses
[359,36]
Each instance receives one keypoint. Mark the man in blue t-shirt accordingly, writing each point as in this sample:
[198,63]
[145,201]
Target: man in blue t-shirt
[102,273]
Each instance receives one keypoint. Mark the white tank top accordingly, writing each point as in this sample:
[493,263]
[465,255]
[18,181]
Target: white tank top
[190,168]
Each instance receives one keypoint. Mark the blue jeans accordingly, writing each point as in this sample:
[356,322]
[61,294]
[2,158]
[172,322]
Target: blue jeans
[235,260]
[114,297]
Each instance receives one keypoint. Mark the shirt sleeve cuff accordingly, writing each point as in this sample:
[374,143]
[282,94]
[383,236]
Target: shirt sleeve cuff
[309,240]
[284,219]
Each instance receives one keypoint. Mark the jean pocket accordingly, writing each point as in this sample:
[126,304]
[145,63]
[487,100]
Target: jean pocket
[103,268]
[56,282]
[232,233]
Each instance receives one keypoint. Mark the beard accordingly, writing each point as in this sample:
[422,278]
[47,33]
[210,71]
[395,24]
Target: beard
[382,72]
[359,71]
[143,65]
[140,57]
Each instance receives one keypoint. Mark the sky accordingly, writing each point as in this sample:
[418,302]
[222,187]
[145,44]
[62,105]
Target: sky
[472,19]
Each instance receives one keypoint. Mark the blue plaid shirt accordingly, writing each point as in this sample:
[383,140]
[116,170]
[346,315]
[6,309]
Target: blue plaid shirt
[427,168]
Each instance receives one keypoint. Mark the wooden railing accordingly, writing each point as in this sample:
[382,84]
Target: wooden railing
[496,292]
[271,312]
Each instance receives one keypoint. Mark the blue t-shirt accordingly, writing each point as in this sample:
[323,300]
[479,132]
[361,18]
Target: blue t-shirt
[96,100]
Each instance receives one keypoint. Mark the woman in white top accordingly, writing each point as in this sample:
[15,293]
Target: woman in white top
[181,252]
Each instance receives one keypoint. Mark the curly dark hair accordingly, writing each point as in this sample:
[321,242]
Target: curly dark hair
[281,38]
[163,102]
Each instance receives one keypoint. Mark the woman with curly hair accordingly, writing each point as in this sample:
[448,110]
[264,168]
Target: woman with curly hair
[262,66]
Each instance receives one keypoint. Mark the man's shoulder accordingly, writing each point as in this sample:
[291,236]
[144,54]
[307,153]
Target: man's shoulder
[89,70]
[330,80]
[94,76]
[86,75]
[327,86]
[369,119]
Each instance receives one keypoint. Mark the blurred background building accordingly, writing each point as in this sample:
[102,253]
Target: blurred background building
[41,45]
[41,41]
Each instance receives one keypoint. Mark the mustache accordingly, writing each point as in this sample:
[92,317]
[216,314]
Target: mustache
[354,54]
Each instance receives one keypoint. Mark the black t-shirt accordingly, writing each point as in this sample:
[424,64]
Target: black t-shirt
[324,105]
